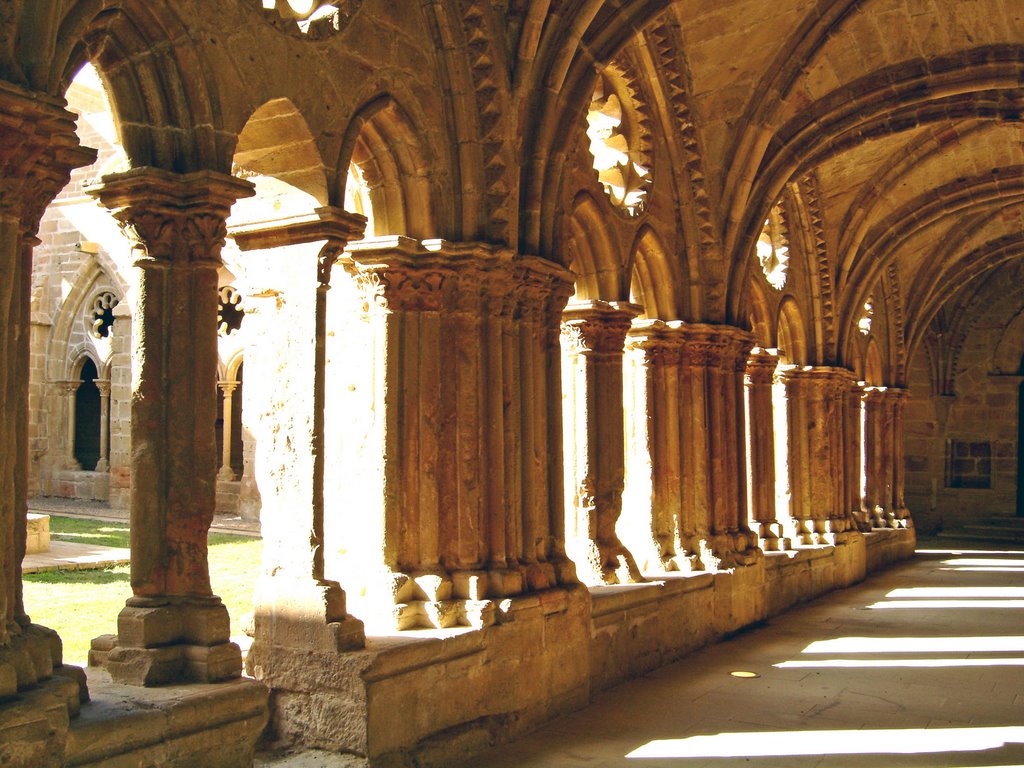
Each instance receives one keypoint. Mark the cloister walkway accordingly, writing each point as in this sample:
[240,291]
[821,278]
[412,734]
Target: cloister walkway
[921,665]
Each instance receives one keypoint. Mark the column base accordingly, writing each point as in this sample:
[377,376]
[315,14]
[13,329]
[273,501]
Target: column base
[771,538]
[304,614]
[169,640]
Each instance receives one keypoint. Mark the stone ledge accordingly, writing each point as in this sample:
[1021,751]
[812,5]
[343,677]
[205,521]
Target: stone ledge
[612,599]
[178,726]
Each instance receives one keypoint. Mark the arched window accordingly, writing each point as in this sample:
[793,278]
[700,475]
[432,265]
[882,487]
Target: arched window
[87,418]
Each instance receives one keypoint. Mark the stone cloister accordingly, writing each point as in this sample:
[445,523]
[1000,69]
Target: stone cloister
[548,341]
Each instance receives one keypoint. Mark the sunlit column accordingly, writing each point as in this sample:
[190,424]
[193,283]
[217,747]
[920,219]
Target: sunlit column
[103,385]
[649,525]
[816,400]
[593,334]
[173,627]
[761,448]
[854,475]
[451,349]
[70,389]
[297,609]
[227,389]
[878,457]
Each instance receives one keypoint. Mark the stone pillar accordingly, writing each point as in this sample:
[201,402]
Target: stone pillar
[120,407]
[714,530]
[883,456]
[227,388]
[854,475]
[761,449]
[104,387]
[38,150]
[173,628]
[449,487]
[69,390]
[899,468]
[297,609]
[649,525]
[594,334]
[816,399]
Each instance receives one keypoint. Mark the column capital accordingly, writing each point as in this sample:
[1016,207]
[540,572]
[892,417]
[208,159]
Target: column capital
[709,345]
[228,387]
[103,385]
[884,394]
[38,150]
[761,366]
[598,326]
[171,218]
[658,341]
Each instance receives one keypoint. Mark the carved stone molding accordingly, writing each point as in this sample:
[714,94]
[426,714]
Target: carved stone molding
[598,327]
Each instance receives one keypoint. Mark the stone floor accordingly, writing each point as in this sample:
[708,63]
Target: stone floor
[920,666]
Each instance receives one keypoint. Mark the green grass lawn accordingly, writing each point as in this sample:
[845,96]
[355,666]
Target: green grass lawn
[83,604]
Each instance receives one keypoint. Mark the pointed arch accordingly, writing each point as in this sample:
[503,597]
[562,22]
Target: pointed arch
[599,275]
[792,333]
[652,283]
[396,167]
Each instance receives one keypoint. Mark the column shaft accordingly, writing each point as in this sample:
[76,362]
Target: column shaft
[104,463]
[173,627]
[761,449]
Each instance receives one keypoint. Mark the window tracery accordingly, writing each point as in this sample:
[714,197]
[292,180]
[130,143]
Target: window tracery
[867,316]
[229,311]
[613,127]
[773,248]
[312,18]
[101,315]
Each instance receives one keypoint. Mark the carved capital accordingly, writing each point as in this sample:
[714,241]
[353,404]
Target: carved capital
[761,365]
[598,327]
[172,218]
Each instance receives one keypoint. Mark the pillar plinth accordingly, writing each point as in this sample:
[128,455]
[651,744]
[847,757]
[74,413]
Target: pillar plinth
[594,335]
[816,401]
[449,488]
[173,628]
[762,447]
[297,608]
[38,151]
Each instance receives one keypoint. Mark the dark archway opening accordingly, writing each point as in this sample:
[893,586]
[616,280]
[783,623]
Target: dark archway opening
[1020,448]
[87,418]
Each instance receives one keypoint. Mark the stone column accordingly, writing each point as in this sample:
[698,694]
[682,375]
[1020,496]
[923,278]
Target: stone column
[883,456]
[899,468]
[104,387]
[854,475]
[120,407]
[227,388]
[70,389]
[594,333]
[298,610]
[713,523]
[761,449]
[651,502]
[173,628]
[449,486]
[816,401]
[878,457]
[38,150]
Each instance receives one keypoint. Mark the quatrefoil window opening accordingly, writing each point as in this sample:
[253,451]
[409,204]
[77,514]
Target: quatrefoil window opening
[773,248]
[101,316]
[867,317]
[229,311]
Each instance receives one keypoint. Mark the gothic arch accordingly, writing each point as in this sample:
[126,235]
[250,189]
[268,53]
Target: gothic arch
[397,168]
[653,284]
[792,333]
[873,372]
[1006,358]
[593,258]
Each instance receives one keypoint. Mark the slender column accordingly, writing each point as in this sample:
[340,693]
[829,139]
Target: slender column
[652,498]
[173,627]
[594,334]
[761,449]
[297,609]
[38,150]
[227,388]
[70,390]
[816,399]
[854,474]
[104,387]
